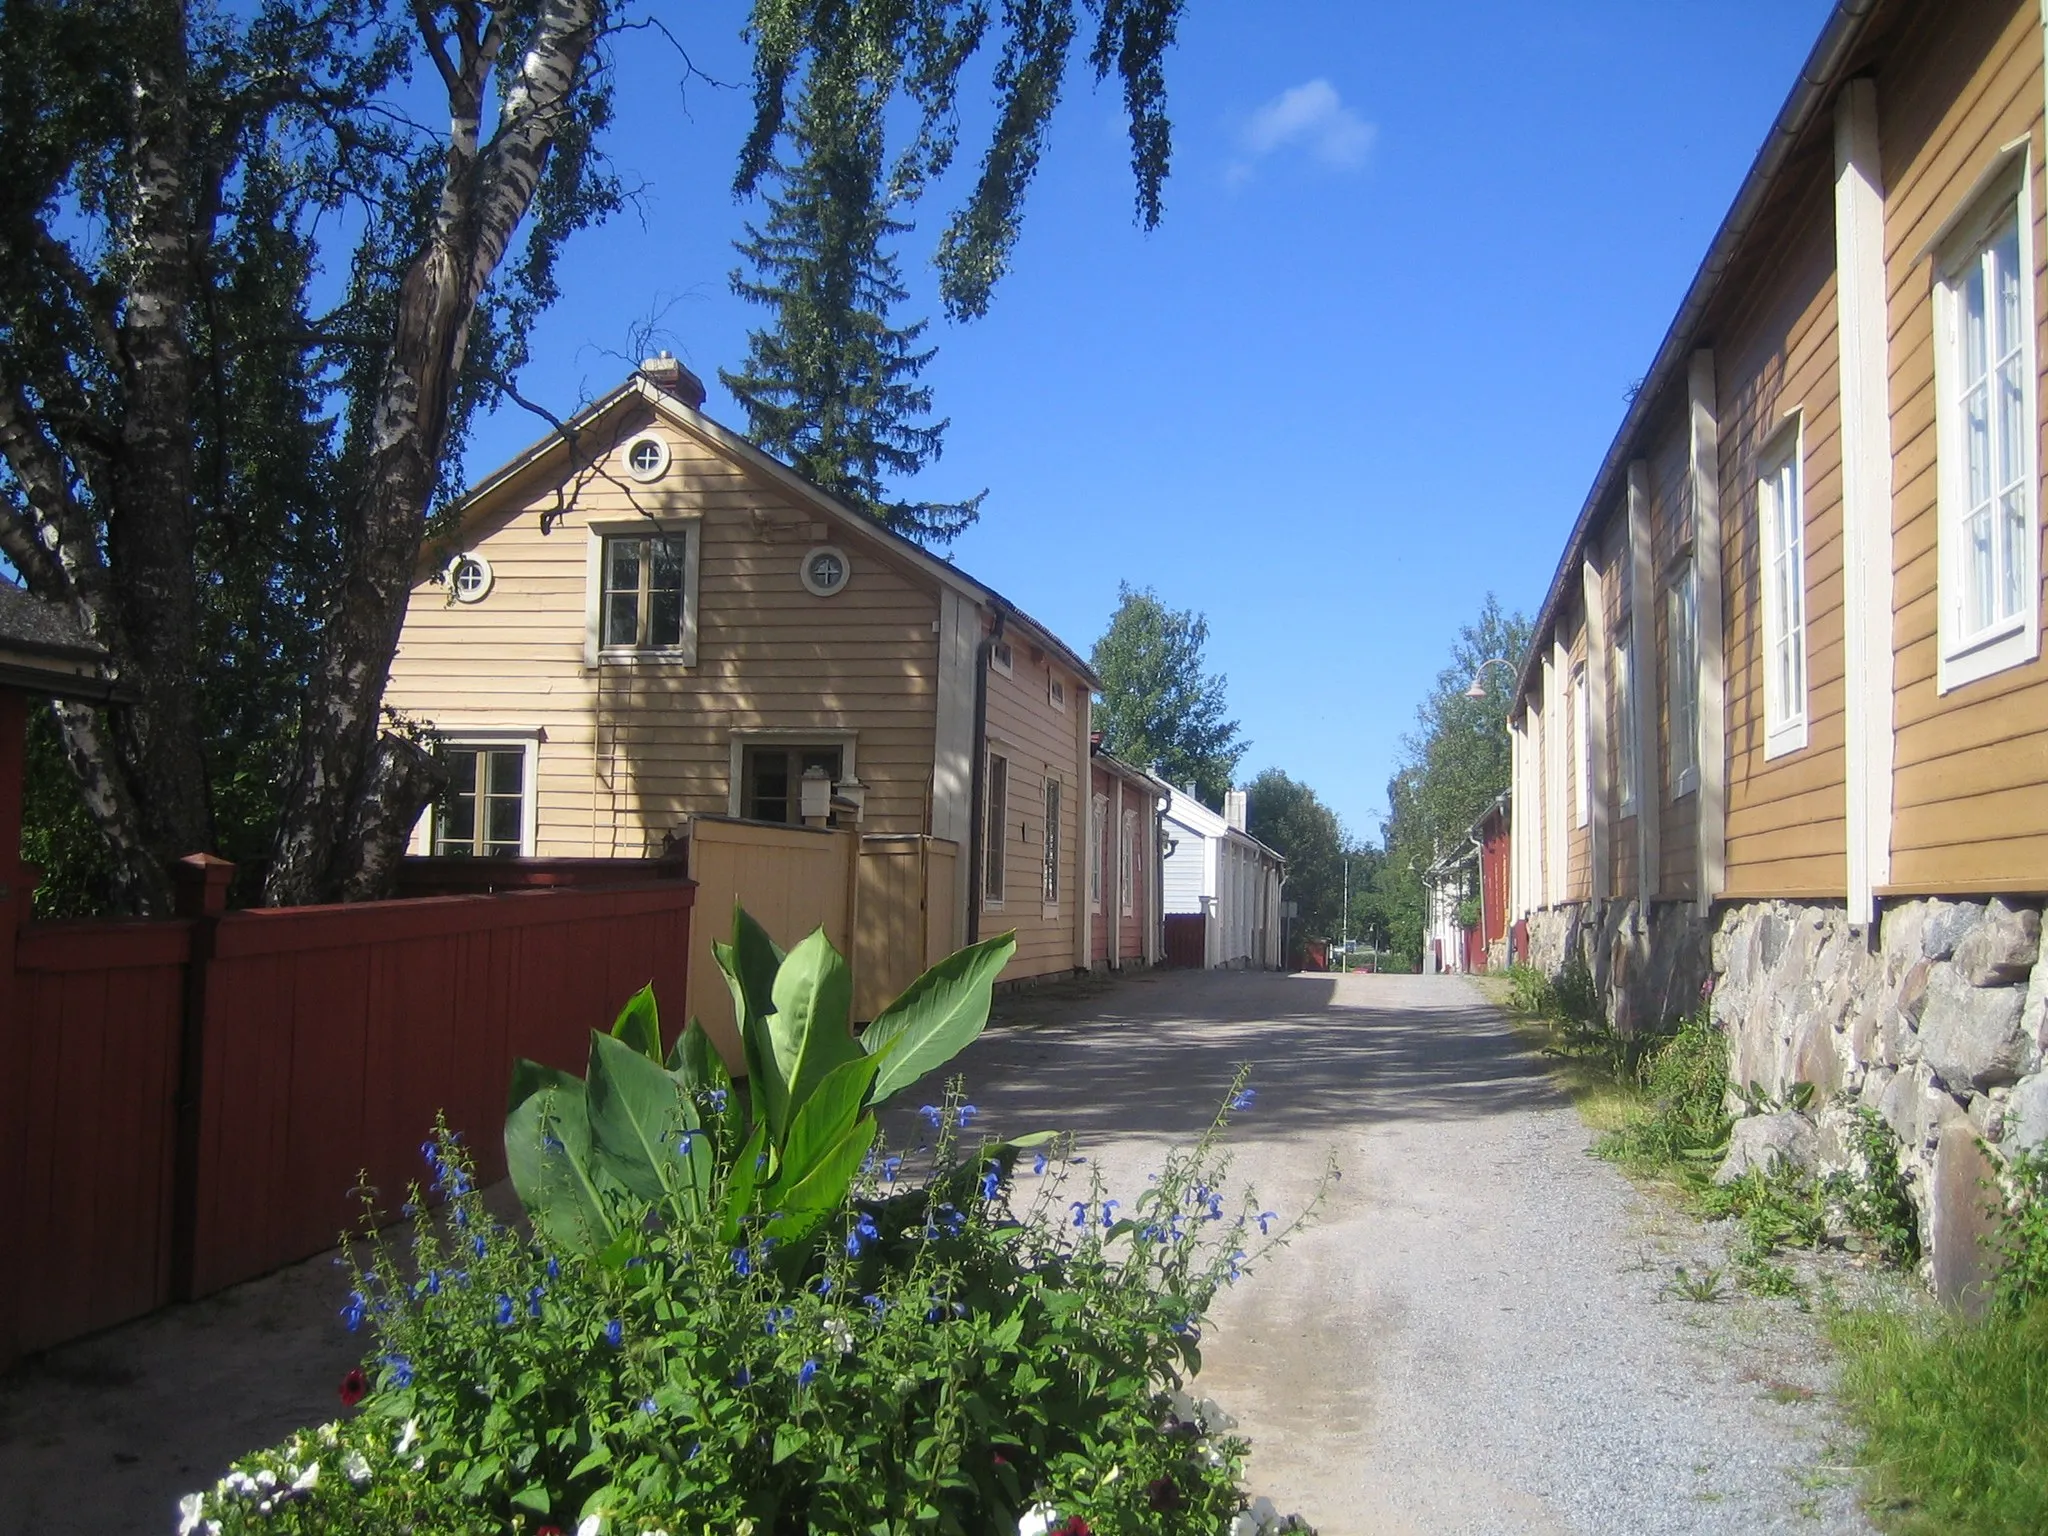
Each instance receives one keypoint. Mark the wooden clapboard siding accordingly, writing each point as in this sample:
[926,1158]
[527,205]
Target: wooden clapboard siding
[1040,743]
[1970,793]
[1612,554]
[633,751]
[1777,353]
[1670,530]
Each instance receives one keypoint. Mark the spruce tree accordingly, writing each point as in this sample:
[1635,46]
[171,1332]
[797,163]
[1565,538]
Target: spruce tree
[832,387]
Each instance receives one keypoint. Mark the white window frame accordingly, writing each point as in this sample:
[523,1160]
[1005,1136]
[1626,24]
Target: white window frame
[1582,746]
[1682,675]
[684,652]
[995,828]
[1052,826]
[1622,648]
[791,736]
[1001,658]
[1127,864]
[1098,849]
[654,471]
[497,739]
[2004,194]
[1781,585]
[1056,692]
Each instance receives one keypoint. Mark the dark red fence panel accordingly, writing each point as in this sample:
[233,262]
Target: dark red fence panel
[334,1034]
[445,876]
[1186,940]
[89,1054]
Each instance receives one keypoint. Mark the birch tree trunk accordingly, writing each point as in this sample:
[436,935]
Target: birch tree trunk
[486,189]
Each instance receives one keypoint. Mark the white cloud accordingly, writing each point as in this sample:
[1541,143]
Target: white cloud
[1311,117]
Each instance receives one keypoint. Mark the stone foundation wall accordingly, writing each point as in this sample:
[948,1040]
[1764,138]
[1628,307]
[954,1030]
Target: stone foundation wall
[1941,1028]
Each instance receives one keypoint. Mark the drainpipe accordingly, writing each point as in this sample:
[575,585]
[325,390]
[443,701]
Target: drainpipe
[976,808]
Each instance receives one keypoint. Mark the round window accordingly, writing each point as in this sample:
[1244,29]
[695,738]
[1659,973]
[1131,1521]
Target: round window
[470,578]
[825,571]
[647,458]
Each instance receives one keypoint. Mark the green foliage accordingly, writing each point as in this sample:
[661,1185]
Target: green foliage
[1470,911]
[1159,708]
[949,1356]
[1530,991]
[1952,1411]
[1684,1125]
[2022,1240]
[1286,815]
[1872,1192]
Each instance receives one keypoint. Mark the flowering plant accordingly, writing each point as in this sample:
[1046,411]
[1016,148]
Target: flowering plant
[972,1347]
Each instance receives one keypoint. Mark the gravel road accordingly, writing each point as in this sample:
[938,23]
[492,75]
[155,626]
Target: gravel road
[1480,1334]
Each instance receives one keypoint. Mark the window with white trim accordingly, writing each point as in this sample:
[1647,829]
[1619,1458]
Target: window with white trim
[995,821]
[644,594]
[484,814]
[1781,542]
[1098,842]
[1582,746]
[1682,675]
[1127,864]
[1622,651]
[1990,528]
[772,777]
[1049,873]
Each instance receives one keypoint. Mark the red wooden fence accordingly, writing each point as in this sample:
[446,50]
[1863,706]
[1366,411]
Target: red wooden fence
[313,1044]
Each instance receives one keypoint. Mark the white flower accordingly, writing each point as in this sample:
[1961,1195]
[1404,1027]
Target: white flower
[1037,1520]
[590,1525]
[1264,1512]
[330,1434]
[265,1479]
[307,1480]
[191,1510]
[355,1466]
[407,1437]
[241,1483]
[1213,1418]
[1245,1524]
[837,1331]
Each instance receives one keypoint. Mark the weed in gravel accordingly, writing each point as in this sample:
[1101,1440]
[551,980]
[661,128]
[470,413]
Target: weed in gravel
[1872,1193]
[1703,1287]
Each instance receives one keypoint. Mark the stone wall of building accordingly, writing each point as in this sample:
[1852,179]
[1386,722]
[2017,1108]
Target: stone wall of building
[1941,1028]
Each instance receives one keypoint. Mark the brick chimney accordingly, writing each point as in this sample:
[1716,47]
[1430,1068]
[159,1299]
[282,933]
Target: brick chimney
[670,376]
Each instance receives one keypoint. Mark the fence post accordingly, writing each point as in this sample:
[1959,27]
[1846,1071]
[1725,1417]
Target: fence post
[202,890]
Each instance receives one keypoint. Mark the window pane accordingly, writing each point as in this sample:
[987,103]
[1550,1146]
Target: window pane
[1977,581]
[995,827]
[2005,267]
[455,823]
[507,770]
[1052,840]
[503,831]
[767,784]
[2012,553]
[664,619]
[622,565]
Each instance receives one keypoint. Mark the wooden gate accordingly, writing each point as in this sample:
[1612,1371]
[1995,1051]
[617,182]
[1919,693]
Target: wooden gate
[1187,940]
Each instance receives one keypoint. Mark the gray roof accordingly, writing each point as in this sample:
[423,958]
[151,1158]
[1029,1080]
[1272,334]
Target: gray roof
[28,623]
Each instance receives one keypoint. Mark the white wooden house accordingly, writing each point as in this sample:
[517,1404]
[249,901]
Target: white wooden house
[1216,869]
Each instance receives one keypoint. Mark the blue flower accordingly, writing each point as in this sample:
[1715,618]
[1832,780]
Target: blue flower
[876,1305]
[742,1262]
[1242,1099]
[967,1112]
[717,1096]
[477,1245]
[507,1310]
[458,1183]
[696,1449]
[684,1142]
[992,1181]
[1236,1259]
[550,1142]
[891,1166]
[354,1312]
[1080,1214]
[777,1316]
[649,1406]
[410,1208]
[399,1370]
[1038,1163]
[615,1333]
[1108,1214]
[533,1299]
[931,1115]
[461,1216]
[822,1285]
[1265,1218]
[745,1378]
[864,1232]
[806,1374]
[554,1268]
[1215,1208]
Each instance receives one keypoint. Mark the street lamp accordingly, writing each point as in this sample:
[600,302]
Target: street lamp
[1477,690]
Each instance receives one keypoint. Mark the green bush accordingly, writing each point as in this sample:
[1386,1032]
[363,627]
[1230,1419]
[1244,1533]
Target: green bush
[1873,1195]
[1684,1077]
[1529,991]
[735,1310]
[2022,1240]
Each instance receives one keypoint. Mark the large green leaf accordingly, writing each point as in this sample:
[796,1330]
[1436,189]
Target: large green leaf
[529,1077]
[799,1207]
[547,1152]
[938,1015]
[639,1024]
[824,1120]
[747,1169]
[750,962]
[810,1030]
[638,1113]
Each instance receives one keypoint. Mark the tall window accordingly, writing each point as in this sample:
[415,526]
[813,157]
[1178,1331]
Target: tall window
[643,593]
[1989,534]
[1049,875]
[771,779]
[1582,745]
[995,822]
[1625,707]
[1781,520]
[1127,864]
[484,815]
[1682,680]
[1098,843]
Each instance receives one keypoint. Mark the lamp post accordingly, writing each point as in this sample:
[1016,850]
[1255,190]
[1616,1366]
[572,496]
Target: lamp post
[1477,688]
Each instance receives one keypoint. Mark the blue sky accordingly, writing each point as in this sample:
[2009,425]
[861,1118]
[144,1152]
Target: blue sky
[1413,258]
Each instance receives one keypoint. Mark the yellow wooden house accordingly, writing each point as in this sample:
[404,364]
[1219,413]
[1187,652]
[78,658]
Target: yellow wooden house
[643,625]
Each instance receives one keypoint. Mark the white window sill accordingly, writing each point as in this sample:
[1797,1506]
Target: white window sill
[988,904]
[1049,910]
[1688,782]
[672,655]
[1785,740]
[2012,645]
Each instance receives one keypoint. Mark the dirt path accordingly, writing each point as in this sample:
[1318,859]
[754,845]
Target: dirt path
[1476,1338]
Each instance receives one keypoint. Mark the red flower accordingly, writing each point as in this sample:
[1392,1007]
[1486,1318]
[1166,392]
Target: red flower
[549,1530]
[1075,1526]
[355,1386]
[1001,1459]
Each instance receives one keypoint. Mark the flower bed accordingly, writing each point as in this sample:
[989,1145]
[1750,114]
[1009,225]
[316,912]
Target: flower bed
[741,1312]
